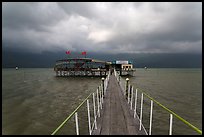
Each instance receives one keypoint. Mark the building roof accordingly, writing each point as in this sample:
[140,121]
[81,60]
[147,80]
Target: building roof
[82,59]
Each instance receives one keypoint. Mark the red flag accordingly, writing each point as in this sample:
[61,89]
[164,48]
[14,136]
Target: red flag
[83,53]
[68,52]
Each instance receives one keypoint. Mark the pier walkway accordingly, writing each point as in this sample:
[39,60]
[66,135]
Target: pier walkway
[114,108]
[116,118]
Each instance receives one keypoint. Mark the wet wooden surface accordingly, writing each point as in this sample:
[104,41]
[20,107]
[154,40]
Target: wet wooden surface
[116,116]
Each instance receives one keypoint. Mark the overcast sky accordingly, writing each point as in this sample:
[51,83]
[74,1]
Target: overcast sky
[140,27]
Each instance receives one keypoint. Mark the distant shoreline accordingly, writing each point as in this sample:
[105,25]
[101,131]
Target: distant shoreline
[134,68]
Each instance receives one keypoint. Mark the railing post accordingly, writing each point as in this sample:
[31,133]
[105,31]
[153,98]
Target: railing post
[150,121]
[129,93]
[170,126]
[94,106]
[77,124]
[98,103]
[102,81]
[131,98]
[100,96]
[102,93]
[105,83]
[141,112]
[135,103]
[126,87]
[89,119]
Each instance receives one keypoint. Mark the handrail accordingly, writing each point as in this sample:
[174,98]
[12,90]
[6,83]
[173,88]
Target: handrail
[170,111]
[119,79]
[61,125]
[176,115]
[101,92]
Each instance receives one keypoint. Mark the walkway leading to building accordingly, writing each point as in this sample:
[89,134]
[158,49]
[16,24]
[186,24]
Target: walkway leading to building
[110,110]
[116,118]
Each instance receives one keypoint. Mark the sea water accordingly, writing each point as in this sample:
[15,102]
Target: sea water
[35,101]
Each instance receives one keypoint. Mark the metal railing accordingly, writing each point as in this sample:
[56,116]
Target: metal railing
[97,105]
[128,91]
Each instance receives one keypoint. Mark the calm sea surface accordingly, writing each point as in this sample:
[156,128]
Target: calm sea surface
[34,101]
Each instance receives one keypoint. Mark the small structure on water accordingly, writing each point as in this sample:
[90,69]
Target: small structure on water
[123,67]
[91,67]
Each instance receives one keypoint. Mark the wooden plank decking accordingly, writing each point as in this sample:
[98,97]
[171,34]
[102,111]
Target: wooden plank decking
[116,117]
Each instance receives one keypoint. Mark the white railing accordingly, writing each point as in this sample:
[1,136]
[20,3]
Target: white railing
[96,97]
[129,89]
[125,86]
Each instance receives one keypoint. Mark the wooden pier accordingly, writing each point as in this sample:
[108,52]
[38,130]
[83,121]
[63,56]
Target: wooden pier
[116,116]
[113,112]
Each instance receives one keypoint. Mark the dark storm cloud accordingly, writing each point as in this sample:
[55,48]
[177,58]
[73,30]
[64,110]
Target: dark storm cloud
[103,27]
[30,15]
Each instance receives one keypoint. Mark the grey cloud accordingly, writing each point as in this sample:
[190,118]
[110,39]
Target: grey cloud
[30,15]
[103,27]
[80,8]
[180,28]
